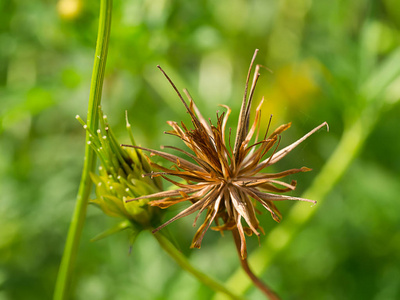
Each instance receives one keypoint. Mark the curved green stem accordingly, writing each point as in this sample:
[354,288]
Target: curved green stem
[64,278]
[183,262]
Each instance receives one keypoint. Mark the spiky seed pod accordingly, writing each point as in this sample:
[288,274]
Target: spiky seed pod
[120,177]
[226,183]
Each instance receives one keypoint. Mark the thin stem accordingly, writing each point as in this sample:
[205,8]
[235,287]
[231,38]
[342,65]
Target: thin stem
[245,265]
[183,262]
[64,278]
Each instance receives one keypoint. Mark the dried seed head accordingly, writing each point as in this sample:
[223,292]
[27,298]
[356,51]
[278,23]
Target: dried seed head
[225,183]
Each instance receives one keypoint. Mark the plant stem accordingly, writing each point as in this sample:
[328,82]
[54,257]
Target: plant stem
[183,262]
[64,278]
[245,265]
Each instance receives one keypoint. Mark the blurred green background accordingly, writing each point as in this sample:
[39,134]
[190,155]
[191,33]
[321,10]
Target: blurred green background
[334,61]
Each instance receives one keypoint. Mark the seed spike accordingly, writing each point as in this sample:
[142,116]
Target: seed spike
[177,91]
[242,115]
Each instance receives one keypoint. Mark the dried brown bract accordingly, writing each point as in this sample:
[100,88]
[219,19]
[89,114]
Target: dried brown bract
[226,183]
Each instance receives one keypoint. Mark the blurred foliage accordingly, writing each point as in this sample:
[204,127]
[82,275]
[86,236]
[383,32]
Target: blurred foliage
[328,58]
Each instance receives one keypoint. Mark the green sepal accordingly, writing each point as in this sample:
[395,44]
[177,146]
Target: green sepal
[117,228]
[139,211]
[134,234]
